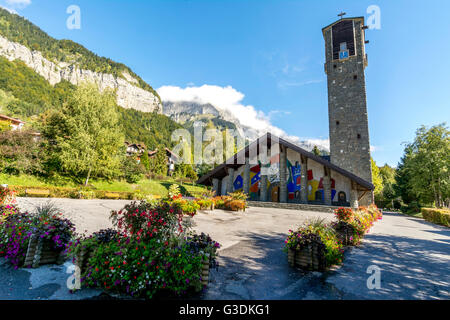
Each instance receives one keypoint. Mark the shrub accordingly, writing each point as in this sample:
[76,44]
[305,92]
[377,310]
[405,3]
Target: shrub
[145,221]
[344,214]
[111,195]
[438,216]
[188,207]
[204,204]
[235,205]
[238,195]
[174,191]
[219,201]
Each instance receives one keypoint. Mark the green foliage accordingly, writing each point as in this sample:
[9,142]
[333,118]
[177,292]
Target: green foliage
[19,153]
[87,134]
[423,174]
[376,179]
[145,161]
[387,174]
[132,171]
[158,163]
[438,216]
[33,93]
[316,151]
[184,170]
[149,128]
[5,126]
[18,29]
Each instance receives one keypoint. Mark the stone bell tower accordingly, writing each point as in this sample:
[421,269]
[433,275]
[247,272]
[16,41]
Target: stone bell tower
[346,61]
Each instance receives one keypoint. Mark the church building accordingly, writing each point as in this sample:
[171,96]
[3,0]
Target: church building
[272,169]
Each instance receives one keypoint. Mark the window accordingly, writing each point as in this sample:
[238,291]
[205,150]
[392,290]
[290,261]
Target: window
[359,136]
[355,77]
[337,123]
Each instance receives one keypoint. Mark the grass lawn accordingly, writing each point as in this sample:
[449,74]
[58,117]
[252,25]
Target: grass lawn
[145,186]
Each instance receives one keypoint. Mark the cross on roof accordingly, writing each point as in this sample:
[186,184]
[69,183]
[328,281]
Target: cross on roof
[342,14]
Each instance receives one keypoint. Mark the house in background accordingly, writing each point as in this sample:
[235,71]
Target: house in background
[15,124]
[134,149]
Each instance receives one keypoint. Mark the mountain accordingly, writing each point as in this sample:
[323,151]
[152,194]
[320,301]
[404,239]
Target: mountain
[37,73]
[64,60]
[186,113]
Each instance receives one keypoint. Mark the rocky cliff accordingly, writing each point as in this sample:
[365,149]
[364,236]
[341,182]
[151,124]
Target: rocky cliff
[129,95]
[188,112]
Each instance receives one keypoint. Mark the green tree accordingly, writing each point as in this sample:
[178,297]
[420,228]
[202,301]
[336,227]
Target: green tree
[387,175]
[89,137]
[316,151]
[423,174]
[158,163]
[145,161]
[377,180]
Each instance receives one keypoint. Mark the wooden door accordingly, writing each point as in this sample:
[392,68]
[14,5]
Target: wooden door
[275,194]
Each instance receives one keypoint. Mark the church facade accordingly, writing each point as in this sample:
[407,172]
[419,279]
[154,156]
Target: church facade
[275,170]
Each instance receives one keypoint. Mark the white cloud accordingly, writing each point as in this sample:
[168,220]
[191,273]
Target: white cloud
[229,99]
[19,2]
[8,9]
[286,84]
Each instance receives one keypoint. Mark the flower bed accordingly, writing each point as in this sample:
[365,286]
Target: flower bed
[150,252]
[7,196]
[314,246]
[236,201]
[32,240]
[346,233]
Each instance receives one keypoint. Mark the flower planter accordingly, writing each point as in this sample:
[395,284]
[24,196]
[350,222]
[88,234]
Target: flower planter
[40,252]
[81,260]
[204,273]
[311,258]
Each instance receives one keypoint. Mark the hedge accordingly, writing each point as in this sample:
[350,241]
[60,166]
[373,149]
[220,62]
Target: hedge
[59,192]
[438,216]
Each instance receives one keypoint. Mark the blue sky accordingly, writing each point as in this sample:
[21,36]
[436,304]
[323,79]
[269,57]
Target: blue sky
[269,56]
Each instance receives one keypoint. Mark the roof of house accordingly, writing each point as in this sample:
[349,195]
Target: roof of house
[152,153]
[14,120]
[222,171]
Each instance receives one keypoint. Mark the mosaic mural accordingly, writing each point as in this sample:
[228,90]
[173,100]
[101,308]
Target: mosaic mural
[315,185]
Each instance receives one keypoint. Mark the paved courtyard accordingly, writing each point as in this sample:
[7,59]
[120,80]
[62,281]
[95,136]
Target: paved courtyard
[413,255]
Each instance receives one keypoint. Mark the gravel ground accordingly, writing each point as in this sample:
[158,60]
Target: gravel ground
[411,254]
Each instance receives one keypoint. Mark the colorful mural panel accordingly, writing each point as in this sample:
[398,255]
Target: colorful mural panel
[315,185]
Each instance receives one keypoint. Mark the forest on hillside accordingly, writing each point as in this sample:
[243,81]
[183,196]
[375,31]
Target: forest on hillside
[17,29]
